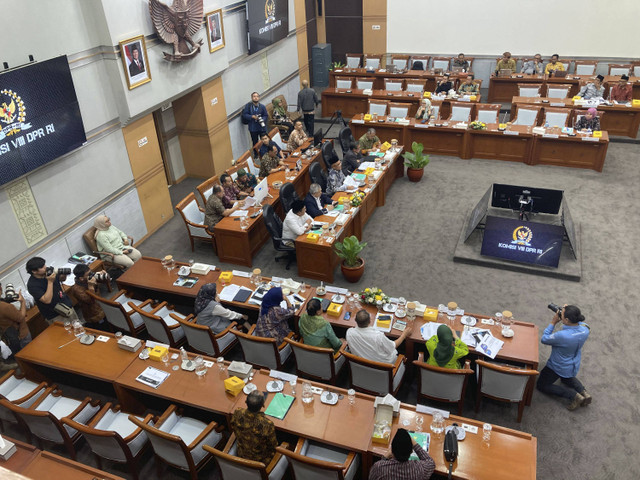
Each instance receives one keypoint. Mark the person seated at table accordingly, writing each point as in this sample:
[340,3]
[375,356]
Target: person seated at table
[622,91]
[335,179]
[445,348]
[214,210]
[296,222]
[351,160]
[593,89]
[589,121]
[210,313]
[273,321]
[317,202]
[424,110]
[506,63]
[255,433]
[264,145]
[245,181]
[469,87]
[445,85]
[231,192]
[367,342]
[554,65]
[270,162]
[116,244]
[315,330]
[461,62]
[280,115]
[533,67]
[396,464]
[13,325]
[92,312]
[297,137]
[369,141]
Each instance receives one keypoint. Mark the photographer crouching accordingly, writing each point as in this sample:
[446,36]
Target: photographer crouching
[45,286]
[566,353]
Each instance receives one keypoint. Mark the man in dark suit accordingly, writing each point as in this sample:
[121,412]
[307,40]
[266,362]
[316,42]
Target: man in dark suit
[352,159]
[136,66]
[317,203]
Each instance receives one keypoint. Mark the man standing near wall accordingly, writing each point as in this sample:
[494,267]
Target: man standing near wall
[254,114]
[307,102]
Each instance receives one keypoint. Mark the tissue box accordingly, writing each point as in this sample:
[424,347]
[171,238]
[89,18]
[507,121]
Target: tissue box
[233,385]
[200,268]
[313,237]
[239,369]
[577,97]
[597,134]
[367,117]
[384,415]
[335,309]
[157,353]
[7,450]
[427,94]
[473,98]
[430,314]
[635,102]
[130,344]
[225,276]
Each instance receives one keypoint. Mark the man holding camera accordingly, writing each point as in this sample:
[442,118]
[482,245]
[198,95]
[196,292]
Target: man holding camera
[45,285]
[86,280]
[254,114]
[13,321]
[566,353]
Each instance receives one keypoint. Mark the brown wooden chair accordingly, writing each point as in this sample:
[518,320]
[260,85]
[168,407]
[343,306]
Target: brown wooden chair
[372,61]
[401,62]
[202,340]
[233,467]
[441,63]
[488,112]
[344,83]
[442,79]
[566,63]
[504,383]
[375,378]
[352,60]
[416,86]
[364,83]
[233,170]
[393,84]
[526,115]
[293,116]
[556,117]
[377,107]
[617,69]
[436,108]
[423,62]
[468,59]
[586,67]
[315,460]
[317,363]
[558,90]
[529,89]
[89,238]
[193,216]
[263,352]
[442,384]
[204,189]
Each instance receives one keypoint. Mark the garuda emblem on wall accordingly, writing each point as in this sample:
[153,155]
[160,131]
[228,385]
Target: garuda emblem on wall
[177,24]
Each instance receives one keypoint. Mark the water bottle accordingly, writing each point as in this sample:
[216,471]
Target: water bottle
[183,354]
[546,124]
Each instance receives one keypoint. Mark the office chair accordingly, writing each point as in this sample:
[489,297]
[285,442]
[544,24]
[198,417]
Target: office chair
[287,196]
[318,175]
[346,137]
[328,154]
[274,227]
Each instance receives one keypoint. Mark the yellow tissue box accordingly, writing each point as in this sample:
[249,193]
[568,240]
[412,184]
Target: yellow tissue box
[577,97]
[473,97]
[383,323]
[635,102]
[367,117]
[157,353]
[233,385]
[369,171]
[427,94]
[430,314]
[225,276]
[313,237]
[597,133]
[502,126]
[335,309]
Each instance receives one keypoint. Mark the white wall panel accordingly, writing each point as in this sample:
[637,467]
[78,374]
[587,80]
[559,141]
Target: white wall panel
[11,238]
[95,97]
[126,214]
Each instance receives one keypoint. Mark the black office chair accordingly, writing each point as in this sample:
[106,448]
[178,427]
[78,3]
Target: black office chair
[288,195]
[274,227]
[318,175]
[346,137]
[417,65]
[328,153]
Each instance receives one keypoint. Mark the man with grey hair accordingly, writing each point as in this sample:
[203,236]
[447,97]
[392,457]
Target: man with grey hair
[255,433]
[317,202]
[215,209]
[307,102]
[369,141]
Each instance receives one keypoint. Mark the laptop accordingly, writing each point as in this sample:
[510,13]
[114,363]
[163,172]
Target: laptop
[505,72]
[457,69]
[560,73]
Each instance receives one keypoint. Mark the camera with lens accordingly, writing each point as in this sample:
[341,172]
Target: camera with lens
[59,271]
[554,308]
[261,122]
[10,294]
[99,276]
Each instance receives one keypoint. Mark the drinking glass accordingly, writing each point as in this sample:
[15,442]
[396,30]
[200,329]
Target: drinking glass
[351,396]
[498,319]
[293,383]
[244,223]
[303,287]
[307,393]
[67,326]
[437,423]
[451,311]
[379,305]
[118,336]
[165,359]
[220,362]
[419,423]
[286,172]
[201,369]
[486,432]
[191,262]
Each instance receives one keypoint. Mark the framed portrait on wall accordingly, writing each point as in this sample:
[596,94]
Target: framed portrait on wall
[215,30]
[135,61]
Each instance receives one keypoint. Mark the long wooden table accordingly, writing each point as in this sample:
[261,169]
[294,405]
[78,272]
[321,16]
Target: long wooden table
[356,101]
[503,89]
[617,119]
[518,143]
[380,75]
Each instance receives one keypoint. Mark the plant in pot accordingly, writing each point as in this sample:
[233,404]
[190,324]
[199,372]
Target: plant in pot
[336,66]
[352,265]
[415,162]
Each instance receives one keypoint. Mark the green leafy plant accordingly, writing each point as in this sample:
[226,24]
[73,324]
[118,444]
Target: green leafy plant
[336,65]
[416,159]
[349,249]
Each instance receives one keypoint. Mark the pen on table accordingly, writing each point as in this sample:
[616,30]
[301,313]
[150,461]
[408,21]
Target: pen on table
[64,345]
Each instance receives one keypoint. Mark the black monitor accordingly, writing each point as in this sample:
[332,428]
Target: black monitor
[267,23]
[317,137]
[524,242]
[543,200]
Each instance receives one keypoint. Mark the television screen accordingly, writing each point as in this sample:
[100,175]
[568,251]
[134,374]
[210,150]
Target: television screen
[39,117]
[544,200]
[267,22]
[524,242]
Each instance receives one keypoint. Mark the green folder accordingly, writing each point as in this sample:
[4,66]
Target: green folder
[422,439]
[339,207]
[279,405]
[360,177]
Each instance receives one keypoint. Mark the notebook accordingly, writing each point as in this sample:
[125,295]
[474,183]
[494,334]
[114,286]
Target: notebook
[242,295]
[279,406]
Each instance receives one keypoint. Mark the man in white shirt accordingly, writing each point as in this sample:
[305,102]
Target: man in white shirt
[367,342]
[296,222]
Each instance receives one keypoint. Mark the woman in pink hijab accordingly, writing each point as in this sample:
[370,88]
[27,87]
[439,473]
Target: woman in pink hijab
[589,121]
[114,244]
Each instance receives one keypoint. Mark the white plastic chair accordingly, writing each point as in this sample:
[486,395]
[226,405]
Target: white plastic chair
[316,461]
[375,378]
[263,352]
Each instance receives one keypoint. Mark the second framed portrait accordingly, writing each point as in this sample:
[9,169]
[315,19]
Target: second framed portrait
[215,30]
[135,61]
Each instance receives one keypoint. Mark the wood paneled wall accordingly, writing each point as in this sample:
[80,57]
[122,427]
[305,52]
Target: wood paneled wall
[301,39]
[374,26]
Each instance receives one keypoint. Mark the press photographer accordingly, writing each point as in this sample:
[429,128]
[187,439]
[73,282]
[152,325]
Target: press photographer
[13,321]
[86,280]
[45,286]
[254,114]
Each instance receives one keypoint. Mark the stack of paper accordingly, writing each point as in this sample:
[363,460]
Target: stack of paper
[152,377]
[429,329]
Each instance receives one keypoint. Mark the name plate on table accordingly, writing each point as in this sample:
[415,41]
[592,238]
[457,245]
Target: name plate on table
[590,139]
[550,135]
[511,132]
[357,121]
[556,104]
[422,125]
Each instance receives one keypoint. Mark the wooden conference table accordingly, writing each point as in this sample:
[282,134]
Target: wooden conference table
[380,75]
[503,89]
[618,119]
[518,143]
[354,101]
[316,421]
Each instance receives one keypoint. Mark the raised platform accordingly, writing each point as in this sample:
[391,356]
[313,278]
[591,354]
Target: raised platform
[569,268]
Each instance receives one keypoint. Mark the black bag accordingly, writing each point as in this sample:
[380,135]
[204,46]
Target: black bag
[450,448]
[244,120]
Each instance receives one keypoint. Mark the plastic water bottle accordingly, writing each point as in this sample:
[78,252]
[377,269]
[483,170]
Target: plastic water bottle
[183,354]
[546,124]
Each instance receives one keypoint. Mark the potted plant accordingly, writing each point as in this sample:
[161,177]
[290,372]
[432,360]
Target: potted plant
[336,66]
[352,265]
[415,162]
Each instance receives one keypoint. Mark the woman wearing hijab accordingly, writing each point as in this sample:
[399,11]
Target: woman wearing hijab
[589,121]
[116,245]
[425,111]
[444,351]
[280,116]
[210,313]
[315,330]
[273,321]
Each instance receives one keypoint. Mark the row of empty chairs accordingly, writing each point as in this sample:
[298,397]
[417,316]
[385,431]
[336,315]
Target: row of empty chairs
[393,85]
[529,115]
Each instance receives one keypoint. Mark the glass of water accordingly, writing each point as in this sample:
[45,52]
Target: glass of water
[220,362]
[293,383]
[351,396]
[419,423]
[486,432]
[67,326]
[201,369]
